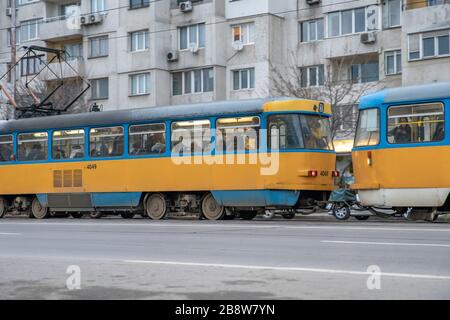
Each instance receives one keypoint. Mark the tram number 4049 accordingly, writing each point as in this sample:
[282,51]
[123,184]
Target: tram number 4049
[324,173]
[91,166]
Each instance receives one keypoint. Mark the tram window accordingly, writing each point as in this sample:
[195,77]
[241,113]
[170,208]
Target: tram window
[368,129]
[285,132]
[32,146]
[299,131]
[106,142]
[237,134]
[147,139]
[416,123]
[189,137]
[316,132]
[68,144]
[6,148]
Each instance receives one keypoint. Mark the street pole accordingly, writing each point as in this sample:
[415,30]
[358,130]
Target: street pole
[13,47]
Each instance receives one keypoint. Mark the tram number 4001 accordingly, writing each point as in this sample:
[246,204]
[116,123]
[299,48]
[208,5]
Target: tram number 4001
[91,166]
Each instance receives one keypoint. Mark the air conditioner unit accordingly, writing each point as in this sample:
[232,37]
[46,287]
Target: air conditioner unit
[186,6]
[9,12]
[91,19]
[238,45]
[368,37]
[172,56]
[310,2]
[193,47]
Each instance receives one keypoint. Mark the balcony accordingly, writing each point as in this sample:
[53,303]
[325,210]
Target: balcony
[67,72]
[416,4]
[60,28]
[426,18]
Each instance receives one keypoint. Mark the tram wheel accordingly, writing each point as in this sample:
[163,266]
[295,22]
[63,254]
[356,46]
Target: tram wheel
[211,210]
[288,215]
[3,207]
[127,215]
[248,214]
[96,214]
[38,210]
[76,215]
[341,213]
[156,206]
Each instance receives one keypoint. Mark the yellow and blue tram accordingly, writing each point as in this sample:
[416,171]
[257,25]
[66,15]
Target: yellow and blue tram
[401,153]
[130,161]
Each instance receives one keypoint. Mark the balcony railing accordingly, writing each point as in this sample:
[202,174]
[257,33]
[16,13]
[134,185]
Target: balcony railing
[60,27]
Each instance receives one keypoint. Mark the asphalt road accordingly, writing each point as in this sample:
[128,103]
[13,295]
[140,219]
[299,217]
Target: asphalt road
[311,258]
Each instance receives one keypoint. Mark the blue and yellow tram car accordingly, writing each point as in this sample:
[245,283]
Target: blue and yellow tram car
[143,160]
[401,153]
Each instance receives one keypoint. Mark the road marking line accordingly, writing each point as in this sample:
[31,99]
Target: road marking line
[388,243]
[319,270]
[9,234]
[221,225]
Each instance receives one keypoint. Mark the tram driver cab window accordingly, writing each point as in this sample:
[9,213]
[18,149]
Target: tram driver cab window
[368,129]
[106,142]
[32,146]
[416,123]
[299,131]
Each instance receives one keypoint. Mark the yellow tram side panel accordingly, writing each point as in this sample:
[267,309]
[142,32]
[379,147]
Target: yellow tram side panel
[161,174]
[415,167]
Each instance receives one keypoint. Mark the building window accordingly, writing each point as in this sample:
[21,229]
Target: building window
[311,30]
[73,51]
[244,79]
[393,62]
[98,47]
[365,72]
[244,33]
[22,2]
[135,4]
[68,144]
[139,84]
[30,66]
[193,81]
[435,2]
[139,40]
[99,88]
[29,30]
[193,34]
[391,13]
[312,76]
[416,123]
[429,45]
[346,22]
[97,6]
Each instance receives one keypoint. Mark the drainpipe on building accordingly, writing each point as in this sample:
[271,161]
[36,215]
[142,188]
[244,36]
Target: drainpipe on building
[13,47]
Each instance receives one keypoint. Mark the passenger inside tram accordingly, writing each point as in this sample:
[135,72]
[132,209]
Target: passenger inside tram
[36,153]
[6,152]
[402,132]
[77,152]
